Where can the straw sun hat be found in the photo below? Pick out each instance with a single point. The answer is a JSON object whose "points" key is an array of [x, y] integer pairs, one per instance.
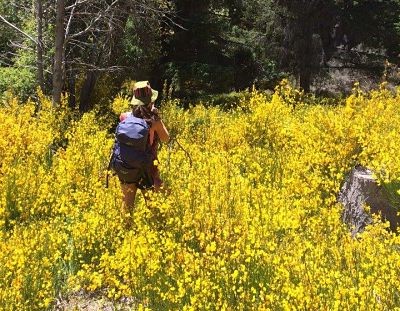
{"points": [[143, 94]]}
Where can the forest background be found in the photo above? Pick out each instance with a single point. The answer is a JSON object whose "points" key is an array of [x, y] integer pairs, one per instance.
{"points": [[196, 49]]}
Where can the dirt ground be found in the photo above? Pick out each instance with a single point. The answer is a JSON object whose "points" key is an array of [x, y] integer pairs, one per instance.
{"points": [[81, 301]]}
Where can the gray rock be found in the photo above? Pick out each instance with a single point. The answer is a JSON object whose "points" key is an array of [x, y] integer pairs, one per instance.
{"points": [[360, 190]]}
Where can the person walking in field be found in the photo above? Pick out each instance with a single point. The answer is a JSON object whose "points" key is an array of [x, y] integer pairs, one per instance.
{"points": [[135, 150]]}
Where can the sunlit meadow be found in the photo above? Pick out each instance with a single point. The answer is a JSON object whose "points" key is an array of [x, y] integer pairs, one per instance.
{"points": [[248, 219]]}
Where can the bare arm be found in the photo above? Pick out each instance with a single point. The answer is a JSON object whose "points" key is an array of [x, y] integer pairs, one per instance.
{"points": [[161, 130]]}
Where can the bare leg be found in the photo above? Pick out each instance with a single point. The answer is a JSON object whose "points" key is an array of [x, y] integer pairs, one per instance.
{"points": [[129, 192]]}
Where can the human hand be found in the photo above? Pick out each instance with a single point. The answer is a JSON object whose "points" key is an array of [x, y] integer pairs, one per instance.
{"points": [[154, 109]]}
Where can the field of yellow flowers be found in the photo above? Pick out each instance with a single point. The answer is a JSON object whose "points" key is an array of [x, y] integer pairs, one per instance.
{"points": [[248, 221]]}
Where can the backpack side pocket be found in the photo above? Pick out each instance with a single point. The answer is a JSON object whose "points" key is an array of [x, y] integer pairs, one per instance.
{"points": [[126, 174]]}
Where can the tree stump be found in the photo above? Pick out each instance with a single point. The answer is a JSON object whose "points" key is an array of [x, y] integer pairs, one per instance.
{"points": [[359, 190]]}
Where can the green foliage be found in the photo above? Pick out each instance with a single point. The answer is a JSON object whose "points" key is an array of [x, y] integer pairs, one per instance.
{"points": [[20, 78], [140, 46], [18, 52], [20, 81], [223, 47], [374, 23], [226, 101], [252, 43], [193, 79], [16, 16]]}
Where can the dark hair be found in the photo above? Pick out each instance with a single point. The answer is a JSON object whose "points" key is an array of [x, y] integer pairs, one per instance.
{"points": [[146, 113]]}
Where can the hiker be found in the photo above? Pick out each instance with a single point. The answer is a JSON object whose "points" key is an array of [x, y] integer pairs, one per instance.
{"points": [[136, 168]]}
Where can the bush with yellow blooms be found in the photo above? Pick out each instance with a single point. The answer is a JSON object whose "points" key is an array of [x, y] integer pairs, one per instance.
{"points": [[248, 218]]}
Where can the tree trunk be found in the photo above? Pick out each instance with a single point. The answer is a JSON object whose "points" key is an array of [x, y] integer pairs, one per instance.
{"points": [[39, 46], [86, 91], [71, 90], [305, 79], [58, 74], [304, 56]]}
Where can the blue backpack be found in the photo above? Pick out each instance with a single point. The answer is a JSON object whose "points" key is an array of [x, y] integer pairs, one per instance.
{"points": [[131, 158]]}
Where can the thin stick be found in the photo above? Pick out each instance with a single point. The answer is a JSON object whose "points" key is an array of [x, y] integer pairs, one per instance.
{"points": [[184, 150]]}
